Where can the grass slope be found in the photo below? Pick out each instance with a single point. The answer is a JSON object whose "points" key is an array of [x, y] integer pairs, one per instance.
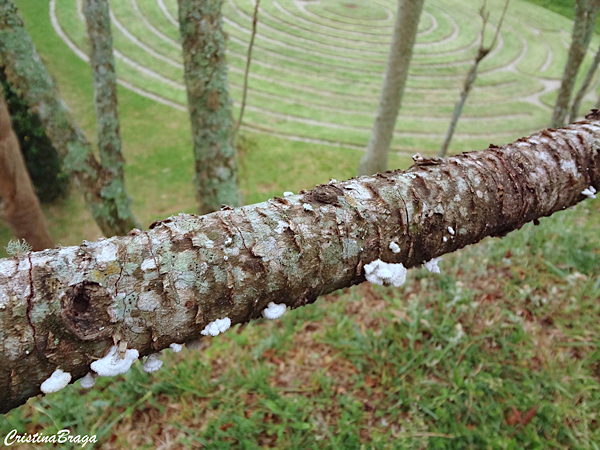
{"points": [[499, 351], [317, 68]]}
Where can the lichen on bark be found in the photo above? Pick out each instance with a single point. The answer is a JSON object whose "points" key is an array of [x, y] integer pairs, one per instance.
{"points": [[65, 308], [26, 71], [209, 104]]}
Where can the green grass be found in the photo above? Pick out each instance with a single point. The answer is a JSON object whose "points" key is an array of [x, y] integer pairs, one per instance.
{"points": [[440, 362], [367, 367], [320, 62], [563, 7]]}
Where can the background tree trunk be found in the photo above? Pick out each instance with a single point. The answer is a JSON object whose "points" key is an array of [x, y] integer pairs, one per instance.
{"points": [[64, 308], [107, 200], [403, 40], [19, 206], [205, 68], [584, 87], [583, 29], [105, 100]]}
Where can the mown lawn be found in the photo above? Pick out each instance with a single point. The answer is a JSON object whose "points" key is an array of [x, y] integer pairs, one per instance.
{"points": [[501, 350], [317, 69]]}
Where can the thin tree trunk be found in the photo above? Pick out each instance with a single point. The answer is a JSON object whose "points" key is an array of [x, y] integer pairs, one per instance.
{"points": [[469, 81], [205, 68], [482, 52], [104, 195], [246, 74], [584, 87], [403, 40], [20, 206], [64, 308], [583, 29], [105, 100]]}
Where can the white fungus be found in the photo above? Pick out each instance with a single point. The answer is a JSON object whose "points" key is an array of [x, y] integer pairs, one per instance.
{"points": [[451, 231], [444, 239], [589, 192], [307, 207], [394, 247], [152, 363], [113, 364], [88, 381], [287, 193], [108, 253], [216, 327], [176, 347], [432, 265], [379, 272], [56, 381], [274, 310]]}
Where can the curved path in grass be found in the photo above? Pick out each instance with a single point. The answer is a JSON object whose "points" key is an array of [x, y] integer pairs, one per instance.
{"points": [[318, 65]]}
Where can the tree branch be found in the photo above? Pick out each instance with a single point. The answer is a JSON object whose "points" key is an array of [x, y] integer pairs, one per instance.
{"points": [[189, 276], [246, 73], [482, 52], [584, 87]]}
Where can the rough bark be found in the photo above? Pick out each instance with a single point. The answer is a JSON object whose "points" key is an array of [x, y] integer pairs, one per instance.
{"points": [[19, 206], [209, 104], [102, 62], [482, 52], [583, 29], [403, 40], [64, 308], [584, 87], [104, 194]]}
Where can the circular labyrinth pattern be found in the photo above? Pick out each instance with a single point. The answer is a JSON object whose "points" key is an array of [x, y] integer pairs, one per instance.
{"points": [[317, 66]]}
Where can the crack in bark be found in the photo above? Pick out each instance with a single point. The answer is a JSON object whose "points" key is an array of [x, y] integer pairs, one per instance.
{"points": [[118, 279], [513, 176], [162, 276], [289, 227], [241, 236], [29, 304]]}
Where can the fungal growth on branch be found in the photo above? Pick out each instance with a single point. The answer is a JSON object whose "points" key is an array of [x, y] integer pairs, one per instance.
{"points": [[88, 381], [56, 381], [379, 272], [589, 192], [176, 347], [152, 363], [432, 265], [115, 362], [217, 327], [99, 306], [274, 311]]}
